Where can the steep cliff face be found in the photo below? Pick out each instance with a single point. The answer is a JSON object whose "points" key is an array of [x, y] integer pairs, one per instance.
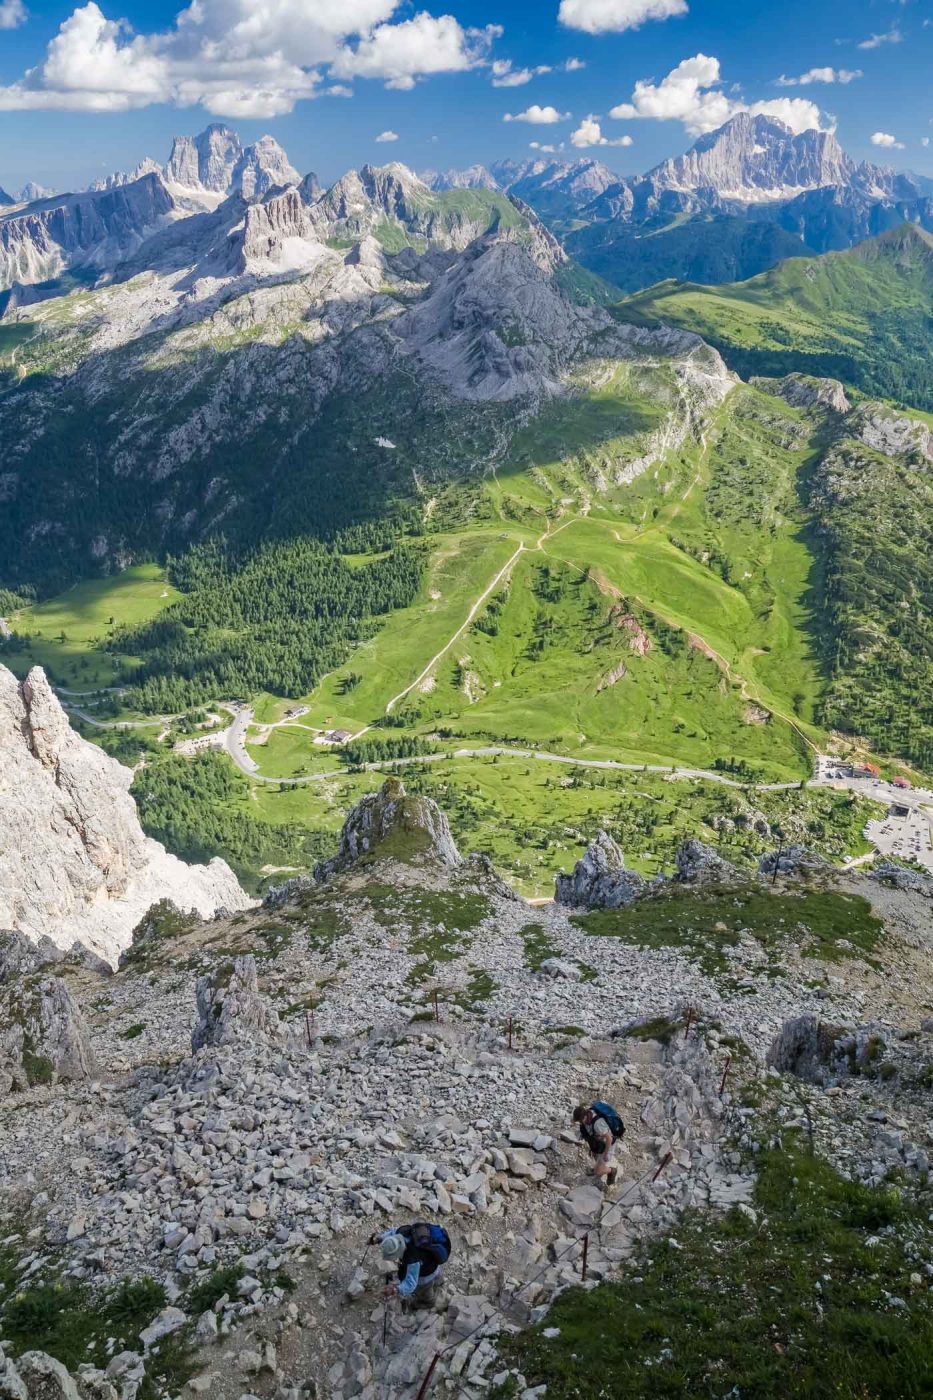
{"points": [[95, 229], [207, 160], [262, 167], [74, 861], [757, 158]]}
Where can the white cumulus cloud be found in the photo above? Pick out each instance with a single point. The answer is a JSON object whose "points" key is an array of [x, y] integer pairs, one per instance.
{"points": [[12, 14], [537, 116], [240, 57], [884, 138], [387, 136], [400, 53], [615, 16], [691, 93], [589, 133], [821, 75], [541, 146]]}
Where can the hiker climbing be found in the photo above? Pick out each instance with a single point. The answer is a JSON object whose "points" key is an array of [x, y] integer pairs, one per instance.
{"points": [[600, 1128], [419, 1253]]}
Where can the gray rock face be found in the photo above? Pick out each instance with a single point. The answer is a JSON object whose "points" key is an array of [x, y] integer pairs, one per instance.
{"points": [[234, 1010], [894, 434], [803, 391], [755, 157], [802, 1048], [393, 824], [901, 877], [821, 1053], [262, 167], [600, 879], [207, 160], [696, 863], [791, 860], [35, 1376], [272, 230], [20, 955], [95, 229], [76, 864], [43, 1038]]}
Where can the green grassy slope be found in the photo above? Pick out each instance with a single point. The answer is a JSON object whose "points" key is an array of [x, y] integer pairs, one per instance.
{"points": [[864, 316]]}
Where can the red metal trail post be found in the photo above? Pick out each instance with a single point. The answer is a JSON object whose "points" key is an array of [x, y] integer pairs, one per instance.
{"points": [[725, 1075], [689, 1021], [586, 1256]]}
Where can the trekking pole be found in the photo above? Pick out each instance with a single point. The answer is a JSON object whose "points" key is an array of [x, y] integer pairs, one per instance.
{"points": [[385, 1326], [437, 1013], [586, 1255], [423, 1390], [665, 1161], [510, 1032]]}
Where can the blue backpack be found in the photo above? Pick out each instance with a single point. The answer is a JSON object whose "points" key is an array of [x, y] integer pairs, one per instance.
{"points": [[433, 1238], [606, 1110]]}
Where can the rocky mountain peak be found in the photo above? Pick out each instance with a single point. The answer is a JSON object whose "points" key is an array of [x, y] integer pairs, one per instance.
{"points": [[474, 177], [206, 161], [262, 167], [76, 864], [393, 824], [754, 158]]}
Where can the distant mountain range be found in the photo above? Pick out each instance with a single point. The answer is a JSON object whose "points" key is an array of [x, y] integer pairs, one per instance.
{"points": [[741, 199]]}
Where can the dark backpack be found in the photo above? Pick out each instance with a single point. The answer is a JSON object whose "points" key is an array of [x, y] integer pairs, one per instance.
{"points": [[434, 1239], [606, 1110]]}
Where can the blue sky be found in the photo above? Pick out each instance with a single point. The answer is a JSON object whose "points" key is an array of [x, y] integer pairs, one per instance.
{"points": [[112, 81]]}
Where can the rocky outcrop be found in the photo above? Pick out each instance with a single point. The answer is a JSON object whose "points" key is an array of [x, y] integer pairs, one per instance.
{"points": [[792, 860], [19, 955], [820, 1053], [43, 1037], [901, 877], [75, 863], [277, 231], [600, 879], [893, 434], [394, 825], [804, 391], [697, 863], [231, 1008]]}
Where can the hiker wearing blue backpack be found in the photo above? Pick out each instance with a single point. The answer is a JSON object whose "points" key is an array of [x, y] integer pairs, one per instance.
{"points": [[601, 1128], [419, 1253]]}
